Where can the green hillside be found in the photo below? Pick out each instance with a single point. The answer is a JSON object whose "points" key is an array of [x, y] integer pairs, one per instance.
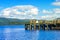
{"points": [[9, 21]]}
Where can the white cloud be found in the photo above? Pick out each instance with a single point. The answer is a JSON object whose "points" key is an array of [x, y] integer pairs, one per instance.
{"points": [[47, 11], [56, 10], [56, 3], [54, 13], [20, 12], [51, 12], [29, 12], [46, 17]]}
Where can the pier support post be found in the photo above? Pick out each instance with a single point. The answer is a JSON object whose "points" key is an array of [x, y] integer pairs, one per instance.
{"points": [[26, 28], [34, 24], [39, 27], [30, 28], [47, 27], [31, 24]]}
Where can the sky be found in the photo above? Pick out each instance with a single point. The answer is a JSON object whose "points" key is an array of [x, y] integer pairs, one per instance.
{"points": [[30, 9]]}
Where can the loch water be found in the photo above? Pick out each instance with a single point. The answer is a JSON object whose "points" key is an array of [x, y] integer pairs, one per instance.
{"points": [[17, 32]]}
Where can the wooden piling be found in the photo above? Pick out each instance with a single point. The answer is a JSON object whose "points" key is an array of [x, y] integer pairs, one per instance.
{"points": [[30, 24], [34, 21]]}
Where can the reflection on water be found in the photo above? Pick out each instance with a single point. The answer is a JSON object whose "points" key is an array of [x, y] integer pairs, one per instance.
{"points": [[21, 34]]}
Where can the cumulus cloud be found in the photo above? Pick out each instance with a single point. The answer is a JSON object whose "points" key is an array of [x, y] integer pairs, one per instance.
{"points": [[54, 13], [47, 11], [47, 17], [56, 10], [20, 12], [56, 3], [29, 12]]}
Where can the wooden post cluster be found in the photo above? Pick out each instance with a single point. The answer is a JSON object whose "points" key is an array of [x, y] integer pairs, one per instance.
{"points": [[34, 23]]}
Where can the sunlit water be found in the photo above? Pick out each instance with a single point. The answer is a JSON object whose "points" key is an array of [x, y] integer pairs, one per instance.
{"points": [[18, 33]]}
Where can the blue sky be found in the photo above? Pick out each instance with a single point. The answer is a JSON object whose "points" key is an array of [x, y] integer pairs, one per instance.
{"points": [[41, 4], [46, 8]]}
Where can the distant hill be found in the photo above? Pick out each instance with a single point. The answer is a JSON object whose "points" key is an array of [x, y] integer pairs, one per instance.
{"points": [[11, 21]]}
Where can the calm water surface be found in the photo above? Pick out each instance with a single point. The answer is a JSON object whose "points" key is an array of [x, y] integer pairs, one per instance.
{"points": [[17, 32]]}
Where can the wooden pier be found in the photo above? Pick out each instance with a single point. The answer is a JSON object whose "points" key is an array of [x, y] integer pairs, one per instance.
{"points": [[43, 25]]}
